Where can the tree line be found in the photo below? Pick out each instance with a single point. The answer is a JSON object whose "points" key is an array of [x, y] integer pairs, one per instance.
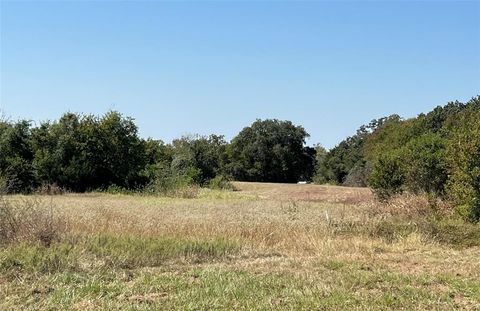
{"points": [[85, 152], [437, 153]]}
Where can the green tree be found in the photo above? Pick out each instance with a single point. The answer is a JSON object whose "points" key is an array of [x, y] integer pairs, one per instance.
{"points": [[426, 169], [199, 156], [16, 156], [270, 151], [87, 152], [463, 156], [121, 154], [346, 163], [320, 176], [59, 158]]}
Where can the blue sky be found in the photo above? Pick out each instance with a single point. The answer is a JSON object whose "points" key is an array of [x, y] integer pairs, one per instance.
{"points": [[214, 67]]}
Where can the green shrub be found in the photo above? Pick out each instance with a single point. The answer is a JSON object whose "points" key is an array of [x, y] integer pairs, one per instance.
{"points": [[464, 163], [221, 182], [16, 156], [174, 183], [426, 169], [388, 176]]}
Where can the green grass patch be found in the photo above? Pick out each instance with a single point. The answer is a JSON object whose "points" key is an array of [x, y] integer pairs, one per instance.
{"points": [[350, 287], [392, 230], [454, 232], [37, 258], [110, 251], [131, 252]]}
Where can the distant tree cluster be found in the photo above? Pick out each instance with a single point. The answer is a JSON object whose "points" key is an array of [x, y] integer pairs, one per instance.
{"points": [[85, 152], [271, 151], [75, 152], [437, 153]]}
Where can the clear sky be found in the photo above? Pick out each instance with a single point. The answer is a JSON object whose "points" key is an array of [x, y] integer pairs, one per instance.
{"points": [[214, 67]]}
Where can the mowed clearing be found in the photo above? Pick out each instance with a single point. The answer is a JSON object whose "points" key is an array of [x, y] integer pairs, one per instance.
{"points": [[262, 247], [306, 192]]}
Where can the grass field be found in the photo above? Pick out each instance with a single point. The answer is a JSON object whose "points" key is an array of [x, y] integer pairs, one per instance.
{"points": [[264, 247]]}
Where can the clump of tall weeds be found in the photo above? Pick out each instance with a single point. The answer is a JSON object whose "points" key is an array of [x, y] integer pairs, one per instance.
{"points": [[29, 220], [413, 206], [427, 215]]}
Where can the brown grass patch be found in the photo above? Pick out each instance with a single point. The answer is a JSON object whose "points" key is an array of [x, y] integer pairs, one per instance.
{"points": [[307, 192], [31, 220], [363, 250], [412, 205], [297, 229]]}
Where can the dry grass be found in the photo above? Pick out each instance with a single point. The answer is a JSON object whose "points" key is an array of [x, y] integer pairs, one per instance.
{"points": [[314, 241], [413, 206], [308, 192], [30, 220]]}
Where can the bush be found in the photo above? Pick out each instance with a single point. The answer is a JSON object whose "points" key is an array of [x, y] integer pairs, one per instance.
{"points": [[437, 153], [388, 176], [426, 170], [358, 175], [221, 182], [463, 156], [199, 157], [173, 183], [87, 152]]}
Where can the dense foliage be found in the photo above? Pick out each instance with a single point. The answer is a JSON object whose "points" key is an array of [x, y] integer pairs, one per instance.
{"points": [[345, 163], [76, 152], [85, 152], [16, 155], [272, 151], [435, 153]]}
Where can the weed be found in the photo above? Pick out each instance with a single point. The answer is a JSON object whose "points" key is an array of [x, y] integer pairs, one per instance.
{"points": [[29, 220]]}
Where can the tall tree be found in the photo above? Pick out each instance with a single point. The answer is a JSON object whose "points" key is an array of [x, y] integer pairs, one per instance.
{"points": [[16, 156], [270, 151]]}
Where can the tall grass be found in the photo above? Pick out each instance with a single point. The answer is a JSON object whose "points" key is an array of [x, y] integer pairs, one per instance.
{"points": [[30, 220], [232, 251], [103, 251]]}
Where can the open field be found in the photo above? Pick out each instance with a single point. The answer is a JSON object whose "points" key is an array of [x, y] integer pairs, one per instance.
{"points": [[267, 246]]}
